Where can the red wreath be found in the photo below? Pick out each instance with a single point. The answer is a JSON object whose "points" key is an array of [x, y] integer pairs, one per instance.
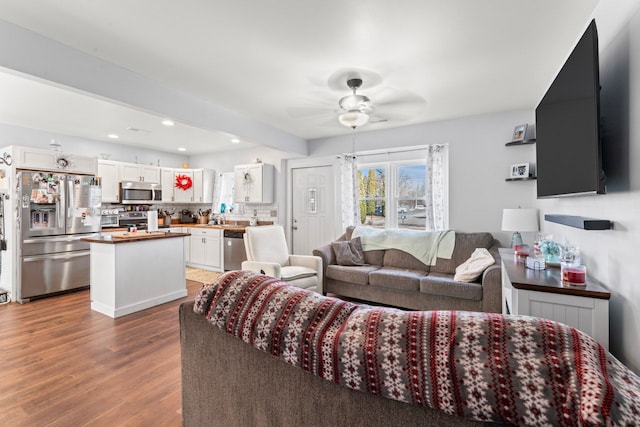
{"points": [[183, 182]]}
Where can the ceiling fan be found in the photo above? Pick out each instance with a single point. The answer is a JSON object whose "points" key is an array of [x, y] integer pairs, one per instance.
{"points": [[383, 103], [355, 108]]}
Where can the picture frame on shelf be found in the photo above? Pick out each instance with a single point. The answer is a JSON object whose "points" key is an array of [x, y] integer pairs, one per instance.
{"points": [[519, 170], [519, 133]]}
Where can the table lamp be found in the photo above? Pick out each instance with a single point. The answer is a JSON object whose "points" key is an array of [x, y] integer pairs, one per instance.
{"points": [[518, 220]]}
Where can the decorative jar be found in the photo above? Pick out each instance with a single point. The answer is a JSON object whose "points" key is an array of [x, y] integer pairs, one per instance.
{"points": [[575, 275]]}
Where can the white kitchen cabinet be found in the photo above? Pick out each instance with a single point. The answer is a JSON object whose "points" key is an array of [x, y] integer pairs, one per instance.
{"points": [[180, 195], [201, 190], [108, 172], [136, 172], [254, 183], [48, 160], [187, 241], [203, 180], [167, 183], [205, 248]]}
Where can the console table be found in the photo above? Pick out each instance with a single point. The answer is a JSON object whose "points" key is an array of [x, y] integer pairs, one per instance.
{"points": [[540, 293]]}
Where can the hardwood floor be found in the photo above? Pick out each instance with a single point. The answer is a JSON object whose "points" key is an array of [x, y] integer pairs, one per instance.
{"points": [[62, 364]]}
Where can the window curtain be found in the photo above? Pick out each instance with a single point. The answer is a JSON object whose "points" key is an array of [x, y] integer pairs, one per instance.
{"points": [[349, 190], [436, 200]]}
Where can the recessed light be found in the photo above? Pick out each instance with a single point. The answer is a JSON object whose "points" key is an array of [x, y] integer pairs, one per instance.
{"points": [[182, 149], [168, 122], [113, 136], [235, 141]]}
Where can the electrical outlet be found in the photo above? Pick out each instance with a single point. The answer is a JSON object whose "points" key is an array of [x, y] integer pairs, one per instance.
{"points": [[274, 213]]}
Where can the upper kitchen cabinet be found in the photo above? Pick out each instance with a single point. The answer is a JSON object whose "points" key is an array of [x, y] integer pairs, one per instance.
{"points": [[108, 171], [203, 180], [167, 181], [187, 185], [48, 160], [254, 183], [183, 186], [136, 172]]}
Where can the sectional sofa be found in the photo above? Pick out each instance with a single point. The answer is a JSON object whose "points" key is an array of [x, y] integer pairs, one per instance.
{"points": [[258, 351]]}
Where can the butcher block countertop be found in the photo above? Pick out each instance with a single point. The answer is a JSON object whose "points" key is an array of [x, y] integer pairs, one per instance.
{"points": [[239, 227], [134, 237]]}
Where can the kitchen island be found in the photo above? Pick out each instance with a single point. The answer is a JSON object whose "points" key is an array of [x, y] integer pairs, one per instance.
{"points": [[134, 271]]}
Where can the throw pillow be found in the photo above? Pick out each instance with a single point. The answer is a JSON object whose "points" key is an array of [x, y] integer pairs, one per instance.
{"points": [[348, 252], [469, 270]]}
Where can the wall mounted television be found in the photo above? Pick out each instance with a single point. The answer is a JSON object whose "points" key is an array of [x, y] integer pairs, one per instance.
{"points": [[568, 144]]}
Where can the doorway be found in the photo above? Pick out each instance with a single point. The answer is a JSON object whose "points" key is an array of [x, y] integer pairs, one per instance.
{"points": [[313, 208]]}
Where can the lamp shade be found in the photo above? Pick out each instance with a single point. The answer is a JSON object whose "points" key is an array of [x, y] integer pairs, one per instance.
{"points": [[353, 119], [520, 220]]}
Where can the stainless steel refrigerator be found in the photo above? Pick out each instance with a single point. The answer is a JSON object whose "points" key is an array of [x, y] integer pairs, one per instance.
{"points": [[55, 211]]}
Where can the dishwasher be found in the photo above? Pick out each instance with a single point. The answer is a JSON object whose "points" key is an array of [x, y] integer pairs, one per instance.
{"points": [[234, 252]]}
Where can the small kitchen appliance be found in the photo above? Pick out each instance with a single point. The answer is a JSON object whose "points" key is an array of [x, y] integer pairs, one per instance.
{"points": [[109, 218], [186, 217]]}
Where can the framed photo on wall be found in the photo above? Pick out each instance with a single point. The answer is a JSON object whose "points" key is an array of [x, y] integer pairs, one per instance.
{"points": [[519, 170], [519, 132]]}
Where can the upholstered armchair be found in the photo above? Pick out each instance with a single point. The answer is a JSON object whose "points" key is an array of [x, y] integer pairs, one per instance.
{"points": [[267, 253]]}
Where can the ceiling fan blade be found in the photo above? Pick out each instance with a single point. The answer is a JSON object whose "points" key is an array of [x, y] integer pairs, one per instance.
{"points": [[302, 112], [384, 117], [398, 100]]}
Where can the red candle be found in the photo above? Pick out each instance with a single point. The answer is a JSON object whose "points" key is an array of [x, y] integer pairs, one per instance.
{"points": [[574, 275]]}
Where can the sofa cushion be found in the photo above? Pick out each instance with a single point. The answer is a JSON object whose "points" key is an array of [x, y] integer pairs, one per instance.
{"points": [[374, 257], [348, 252], [397, 278], [466, 243], [401, 259], [444, 285], [358, 274]]}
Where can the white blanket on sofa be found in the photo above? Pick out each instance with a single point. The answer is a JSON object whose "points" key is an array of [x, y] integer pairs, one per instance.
{"points": [[427, 246]]}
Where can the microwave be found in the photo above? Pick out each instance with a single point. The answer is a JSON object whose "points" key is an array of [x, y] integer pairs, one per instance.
{"points": [[140, 193]]}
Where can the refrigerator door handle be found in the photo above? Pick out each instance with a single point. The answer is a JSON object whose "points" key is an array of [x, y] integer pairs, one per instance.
{"points": [[70, 255], [69, 197], [60, 239]]}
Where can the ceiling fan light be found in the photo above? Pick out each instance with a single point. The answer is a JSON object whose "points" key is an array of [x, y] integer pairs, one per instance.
{"points": [[354, 102], [353, 119]]}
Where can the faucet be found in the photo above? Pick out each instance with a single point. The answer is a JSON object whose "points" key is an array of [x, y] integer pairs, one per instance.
{"points": [[219, 219]]}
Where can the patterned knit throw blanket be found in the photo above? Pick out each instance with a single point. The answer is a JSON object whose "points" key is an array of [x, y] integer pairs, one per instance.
{"points": [[486, 367]]}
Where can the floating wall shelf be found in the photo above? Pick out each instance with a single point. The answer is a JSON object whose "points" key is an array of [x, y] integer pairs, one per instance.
{"points": [[525, 142], [526, 178], [580, 222]]}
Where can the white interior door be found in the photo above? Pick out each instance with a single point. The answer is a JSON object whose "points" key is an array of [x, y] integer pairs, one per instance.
{"points": [[313, 208]]}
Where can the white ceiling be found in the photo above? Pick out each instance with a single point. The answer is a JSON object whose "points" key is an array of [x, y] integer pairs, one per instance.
{"points": [[284, 63]]}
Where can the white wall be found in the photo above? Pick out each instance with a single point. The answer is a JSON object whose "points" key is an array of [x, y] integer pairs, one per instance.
{"points": [[612, 257], [478, 163]]}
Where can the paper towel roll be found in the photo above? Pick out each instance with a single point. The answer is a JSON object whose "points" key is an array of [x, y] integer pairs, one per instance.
{"points": [[152, 221]]}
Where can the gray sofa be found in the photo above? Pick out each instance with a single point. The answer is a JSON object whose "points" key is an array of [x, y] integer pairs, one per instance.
{"points": [[226, 382], [394, 277]]}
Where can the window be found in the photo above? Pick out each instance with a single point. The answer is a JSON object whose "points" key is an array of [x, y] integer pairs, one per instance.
{"points": [[372, 183], [403, 205]]}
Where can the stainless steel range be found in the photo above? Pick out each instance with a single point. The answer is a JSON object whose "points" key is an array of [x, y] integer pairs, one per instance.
{"points": [[56, 210], [136, 219]]}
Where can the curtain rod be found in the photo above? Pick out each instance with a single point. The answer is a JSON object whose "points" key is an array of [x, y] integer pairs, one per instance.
{"points": [[377, 153]]}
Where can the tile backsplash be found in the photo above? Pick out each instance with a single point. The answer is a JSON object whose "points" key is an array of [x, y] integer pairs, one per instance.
{"points": [[240, 212]]}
